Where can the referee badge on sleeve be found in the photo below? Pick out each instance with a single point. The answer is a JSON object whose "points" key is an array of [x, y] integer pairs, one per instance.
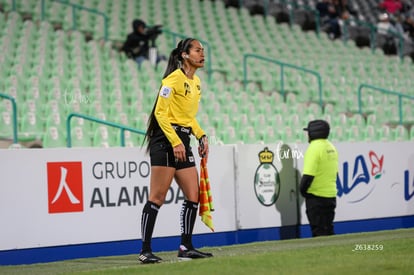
{"points": [[165, 91]]}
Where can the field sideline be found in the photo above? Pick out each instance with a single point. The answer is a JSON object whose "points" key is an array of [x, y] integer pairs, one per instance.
{"points": [[381, 252]]}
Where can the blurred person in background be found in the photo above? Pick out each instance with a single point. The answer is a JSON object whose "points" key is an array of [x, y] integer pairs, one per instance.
{"points": [[329, 18], [391, 6], [332, 13], [141, 41]]}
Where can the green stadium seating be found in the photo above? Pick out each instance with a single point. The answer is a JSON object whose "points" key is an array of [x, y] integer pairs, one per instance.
{"points": [[62, 72]]}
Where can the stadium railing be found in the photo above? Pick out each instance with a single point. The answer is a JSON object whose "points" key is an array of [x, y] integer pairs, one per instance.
{"points": [[122, 128], [385, 91], [75, 8], [282, 65]]}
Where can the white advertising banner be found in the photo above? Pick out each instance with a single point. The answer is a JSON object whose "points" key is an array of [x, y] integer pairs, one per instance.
{"points": [[65, 196], [266, 185], [371, 182], [375, 180], [54, 197]]}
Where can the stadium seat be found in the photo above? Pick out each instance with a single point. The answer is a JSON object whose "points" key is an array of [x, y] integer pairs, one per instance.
{"points": [[353, 133], [79, 138], [399, 133], [54, 138], [31, 126], [270, 135], [259, 122], [372, 120], [295, 121], [369, 133], [411, 133], [122, 118], [140, 121], [131, 139], [340, 119], [384, 133], [240, 121], [337, 133], [277, 121], [357, 119], [104, 137], [230, 136], [55, 119], [6, 124]]}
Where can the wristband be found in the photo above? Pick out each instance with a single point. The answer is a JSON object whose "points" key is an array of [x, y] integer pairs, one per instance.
{"points": [[201, 142]]}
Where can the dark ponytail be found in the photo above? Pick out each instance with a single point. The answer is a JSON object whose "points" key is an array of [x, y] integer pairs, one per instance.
{"points": [[174, 62]]}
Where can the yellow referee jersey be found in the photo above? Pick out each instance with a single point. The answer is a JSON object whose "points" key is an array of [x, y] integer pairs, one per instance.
{"points": [[177, 103]]}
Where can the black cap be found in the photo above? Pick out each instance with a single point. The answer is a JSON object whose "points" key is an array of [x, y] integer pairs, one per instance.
{"points": [[138, 23], [317, 129]]}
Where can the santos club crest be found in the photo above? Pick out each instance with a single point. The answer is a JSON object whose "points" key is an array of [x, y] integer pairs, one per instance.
{"points": [[266, 179]]}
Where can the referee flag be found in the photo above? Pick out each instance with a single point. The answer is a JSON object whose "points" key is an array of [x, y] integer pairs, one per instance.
{"points": [[206, 199]]}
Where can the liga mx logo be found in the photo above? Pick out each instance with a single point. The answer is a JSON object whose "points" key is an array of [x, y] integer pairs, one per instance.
{"points": [[266, 179], [65, 187]]}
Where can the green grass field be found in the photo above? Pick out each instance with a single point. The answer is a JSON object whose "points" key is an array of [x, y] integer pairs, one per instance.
{"points": [[382, 252]]}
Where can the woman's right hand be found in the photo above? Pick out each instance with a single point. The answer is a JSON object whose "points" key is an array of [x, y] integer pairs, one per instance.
{"points": [[179, 153]]}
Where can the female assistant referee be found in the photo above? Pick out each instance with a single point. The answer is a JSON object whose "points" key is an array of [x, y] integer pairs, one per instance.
{"points": [[170, 126]]}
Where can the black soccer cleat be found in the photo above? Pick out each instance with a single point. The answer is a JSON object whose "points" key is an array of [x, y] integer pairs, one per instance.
{"points": [[148, 258], [189, 254]]}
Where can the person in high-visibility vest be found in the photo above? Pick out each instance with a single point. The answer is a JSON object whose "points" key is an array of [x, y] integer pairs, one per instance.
{"points": [[318, 183]]}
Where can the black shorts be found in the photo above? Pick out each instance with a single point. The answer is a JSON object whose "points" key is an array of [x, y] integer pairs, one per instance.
{"points": [[161, 151]]}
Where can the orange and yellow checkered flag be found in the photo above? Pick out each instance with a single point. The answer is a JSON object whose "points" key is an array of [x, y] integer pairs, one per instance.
{"points": [[206, 199]]}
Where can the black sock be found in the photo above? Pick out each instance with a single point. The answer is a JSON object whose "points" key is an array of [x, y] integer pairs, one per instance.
{"points": [[187, 219], [149, 215]]}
